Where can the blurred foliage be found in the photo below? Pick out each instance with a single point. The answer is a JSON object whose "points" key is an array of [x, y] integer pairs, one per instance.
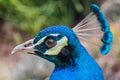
{"points": [[33, 15]]}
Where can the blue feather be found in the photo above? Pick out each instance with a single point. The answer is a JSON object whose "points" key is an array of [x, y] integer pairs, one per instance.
{"points": [[101, 18], [107, 37], [105, 27], [105, 49]]}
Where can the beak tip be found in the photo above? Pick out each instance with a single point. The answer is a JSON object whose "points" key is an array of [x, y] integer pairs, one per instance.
{"points": [[23, 48], [13, 51]]}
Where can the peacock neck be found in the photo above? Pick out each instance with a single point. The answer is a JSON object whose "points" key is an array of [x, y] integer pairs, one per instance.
{"points": [[84, 68], [80, 57]]}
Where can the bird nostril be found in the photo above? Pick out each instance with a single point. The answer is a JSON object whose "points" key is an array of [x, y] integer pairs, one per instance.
{"points": [[28, 44]]}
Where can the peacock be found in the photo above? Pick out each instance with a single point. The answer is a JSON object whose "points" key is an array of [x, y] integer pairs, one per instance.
{"points": [[63, 46]]}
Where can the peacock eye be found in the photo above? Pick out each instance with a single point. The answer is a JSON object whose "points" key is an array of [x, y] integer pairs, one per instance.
{"points": [[50, 42]]}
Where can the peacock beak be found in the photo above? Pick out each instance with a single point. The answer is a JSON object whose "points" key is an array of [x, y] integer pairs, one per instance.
{"points": [[27, 47]]}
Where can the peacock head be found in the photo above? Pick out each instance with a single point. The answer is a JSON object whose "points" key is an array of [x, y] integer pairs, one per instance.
{"points": [[55, 43], [58, 43]]}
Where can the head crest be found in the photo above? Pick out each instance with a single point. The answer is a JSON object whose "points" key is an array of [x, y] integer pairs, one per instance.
{"points": [[95, 25]]}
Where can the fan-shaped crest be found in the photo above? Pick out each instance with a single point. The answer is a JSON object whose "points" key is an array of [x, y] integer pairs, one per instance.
{"points": [[95, 29]]}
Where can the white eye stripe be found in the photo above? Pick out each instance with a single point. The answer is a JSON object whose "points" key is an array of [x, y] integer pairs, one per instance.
{"points": [[55, 34]]}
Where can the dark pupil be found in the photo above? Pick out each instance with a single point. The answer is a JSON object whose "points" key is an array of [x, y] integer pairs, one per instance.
{"points": [[50, 42]]}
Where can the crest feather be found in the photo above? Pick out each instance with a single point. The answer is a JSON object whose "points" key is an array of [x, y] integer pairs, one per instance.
{"points": [[95, 29]]}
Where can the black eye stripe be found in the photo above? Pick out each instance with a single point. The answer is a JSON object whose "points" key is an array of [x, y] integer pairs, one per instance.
{"points": [[41, 47]]}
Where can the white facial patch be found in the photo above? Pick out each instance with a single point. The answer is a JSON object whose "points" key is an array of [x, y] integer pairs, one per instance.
{"points": [[56, 49]]}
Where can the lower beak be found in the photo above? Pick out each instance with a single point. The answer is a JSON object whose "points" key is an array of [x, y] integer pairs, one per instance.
{"points": [[27, 47]]}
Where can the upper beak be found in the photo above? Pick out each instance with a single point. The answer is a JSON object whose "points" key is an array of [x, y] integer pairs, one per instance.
{"points": [[25, 47]]}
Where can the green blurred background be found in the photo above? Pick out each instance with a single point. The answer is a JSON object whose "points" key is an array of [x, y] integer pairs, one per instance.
{"points": [[33, 15], [20, 20]]}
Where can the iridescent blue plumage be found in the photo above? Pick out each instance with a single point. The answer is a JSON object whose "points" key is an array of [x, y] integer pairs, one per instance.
{"points": [[107, 37], [81, 66], [105, 27], [105, 48]]}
